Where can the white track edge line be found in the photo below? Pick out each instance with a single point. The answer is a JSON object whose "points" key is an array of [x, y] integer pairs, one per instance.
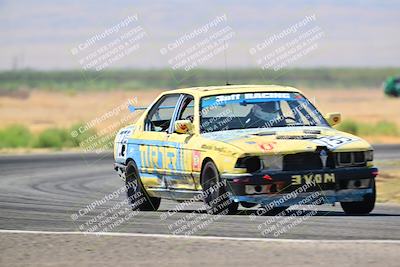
{"points": [[202, 237]]}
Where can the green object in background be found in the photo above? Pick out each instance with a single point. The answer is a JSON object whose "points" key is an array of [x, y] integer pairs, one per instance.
{"points": [[392, 86]]}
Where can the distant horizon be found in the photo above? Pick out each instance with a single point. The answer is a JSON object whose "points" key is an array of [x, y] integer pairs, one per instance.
{"points": [[206, 69], [67, 35]]}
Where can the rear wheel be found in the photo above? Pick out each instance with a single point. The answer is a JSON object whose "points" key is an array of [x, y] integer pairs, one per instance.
{"points": [[275, 211], [215, 194], [361, 207], [137, 194]]}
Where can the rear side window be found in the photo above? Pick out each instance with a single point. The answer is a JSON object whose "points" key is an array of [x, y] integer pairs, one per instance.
{"points": [[160, 116]]}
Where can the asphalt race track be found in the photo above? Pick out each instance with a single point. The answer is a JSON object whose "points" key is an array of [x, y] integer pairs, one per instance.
{"points": [[48, 193]]}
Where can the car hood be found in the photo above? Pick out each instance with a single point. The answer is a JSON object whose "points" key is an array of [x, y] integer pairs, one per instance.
{"points": [[288, 141]]}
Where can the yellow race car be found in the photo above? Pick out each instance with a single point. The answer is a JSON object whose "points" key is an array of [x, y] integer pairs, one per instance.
{"points": [[245, 144]]}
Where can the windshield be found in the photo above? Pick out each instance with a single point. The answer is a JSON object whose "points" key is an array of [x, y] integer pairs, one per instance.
{"points": [[257, 110]]}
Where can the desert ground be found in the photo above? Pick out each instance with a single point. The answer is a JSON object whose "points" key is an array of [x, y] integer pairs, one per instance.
{"points": [[39, 110]]}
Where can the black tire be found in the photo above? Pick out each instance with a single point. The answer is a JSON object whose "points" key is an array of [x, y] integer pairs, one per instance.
{"points": [[247, 205], [216, 196], [361, 207], [136, 193], [275, 211]]}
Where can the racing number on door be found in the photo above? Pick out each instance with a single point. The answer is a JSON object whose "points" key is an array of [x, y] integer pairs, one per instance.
{"points": [[160, 158]]}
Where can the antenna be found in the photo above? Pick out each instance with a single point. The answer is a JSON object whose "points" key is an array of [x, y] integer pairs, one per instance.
{"points": [[226, 69], [14, 63]]}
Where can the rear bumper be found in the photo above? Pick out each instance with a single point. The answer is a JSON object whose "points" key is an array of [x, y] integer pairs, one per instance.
{"points": [[283, 188]]}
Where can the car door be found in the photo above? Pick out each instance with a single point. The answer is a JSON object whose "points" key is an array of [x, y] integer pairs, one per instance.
{"points": [[153, 139], [177, 147]]}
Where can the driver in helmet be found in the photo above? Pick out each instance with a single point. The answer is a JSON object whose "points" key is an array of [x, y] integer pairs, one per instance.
{"points": [[261, 113]]}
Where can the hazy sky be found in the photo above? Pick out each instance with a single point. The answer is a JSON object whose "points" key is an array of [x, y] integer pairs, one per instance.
{"points": [[42, 34]]}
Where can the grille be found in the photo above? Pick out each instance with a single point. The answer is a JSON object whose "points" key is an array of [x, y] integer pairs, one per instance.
{"points": [[306, 161]]}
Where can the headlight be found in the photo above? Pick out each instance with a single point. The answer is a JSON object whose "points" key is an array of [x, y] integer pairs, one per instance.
{"points": [[251, 164], [273, 162], [355, 158], [369, 155]]}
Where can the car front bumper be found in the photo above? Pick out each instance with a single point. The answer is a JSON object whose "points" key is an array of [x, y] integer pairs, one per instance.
{"points": [[277, 188]]}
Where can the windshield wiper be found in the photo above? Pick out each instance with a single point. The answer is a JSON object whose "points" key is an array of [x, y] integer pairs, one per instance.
{"points": [[295, 125]]}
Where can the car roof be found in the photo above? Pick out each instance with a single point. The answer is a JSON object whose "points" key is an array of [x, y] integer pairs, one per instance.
{"points": [[231, 89]]}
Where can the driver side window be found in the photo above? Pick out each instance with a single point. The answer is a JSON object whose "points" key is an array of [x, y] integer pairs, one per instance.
{"points": [[160, 116], [187, 110]]}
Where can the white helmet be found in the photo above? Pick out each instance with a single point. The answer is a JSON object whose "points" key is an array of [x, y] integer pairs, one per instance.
{"points": [[266, 111]]}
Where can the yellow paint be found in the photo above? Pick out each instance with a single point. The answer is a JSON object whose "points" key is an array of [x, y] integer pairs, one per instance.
{"points": [[226, 154]]}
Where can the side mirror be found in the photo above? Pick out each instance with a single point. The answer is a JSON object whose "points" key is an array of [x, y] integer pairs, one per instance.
{"points": [[131, 108], [183, 127], [333, 118]]}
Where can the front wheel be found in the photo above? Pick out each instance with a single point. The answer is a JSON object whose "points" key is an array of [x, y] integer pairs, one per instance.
{"points": [[274, 211], [247, 205], [361, 207], [215, 194], [137, 194]]}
